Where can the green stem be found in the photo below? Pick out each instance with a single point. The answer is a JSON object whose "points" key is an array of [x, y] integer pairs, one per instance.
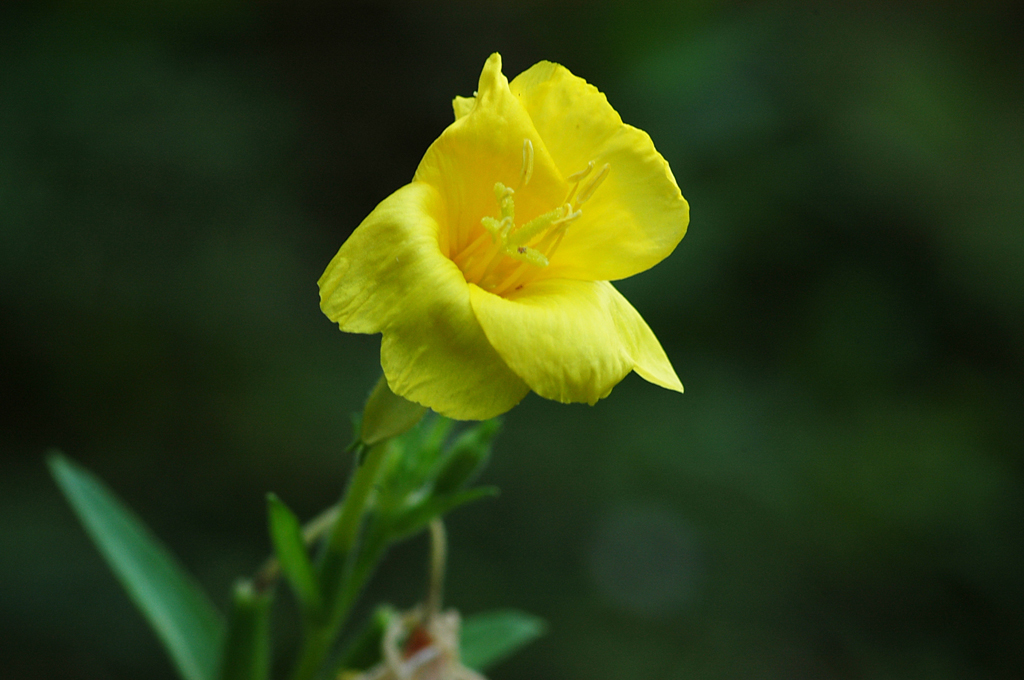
{"points": [[343, 535], [438, 552], [335, 566], [315, 647]]}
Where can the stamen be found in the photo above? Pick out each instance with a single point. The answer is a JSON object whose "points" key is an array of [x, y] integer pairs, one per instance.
{"points": [[530, 255], [592, 185], [534, 227], [548, 244], [488, 268], [487, 262], [576, 177], [462, 259], [570, 216], [504, 196], [527, 172], [492, 226], [512, 280]]}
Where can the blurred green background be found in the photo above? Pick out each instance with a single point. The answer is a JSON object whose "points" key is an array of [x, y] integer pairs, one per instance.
{"points": [[837, 495]]}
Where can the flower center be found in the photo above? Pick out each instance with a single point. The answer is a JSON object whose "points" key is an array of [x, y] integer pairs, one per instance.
{"points": [[506, 255]]}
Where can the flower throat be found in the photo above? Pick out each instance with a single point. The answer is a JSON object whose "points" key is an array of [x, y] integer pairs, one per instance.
{"points": [[505, 256]]}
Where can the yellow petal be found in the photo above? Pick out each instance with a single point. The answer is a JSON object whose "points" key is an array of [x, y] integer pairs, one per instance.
{"points": [[483, 147], [391, 277], [364, 286], [462, 106], [638, 215], [572, 340]]}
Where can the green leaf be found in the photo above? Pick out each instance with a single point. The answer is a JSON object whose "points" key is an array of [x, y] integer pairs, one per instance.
{"points": [[246, 653], [187, 624], [489, 638], [286, 535]]}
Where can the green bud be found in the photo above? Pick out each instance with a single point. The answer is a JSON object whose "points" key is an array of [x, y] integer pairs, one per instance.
{"points": [[387, 415]]}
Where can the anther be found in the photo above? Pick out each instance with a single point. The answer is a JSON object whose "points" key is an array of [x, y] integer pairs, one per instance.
{"points": [[529, 255], [504, 196], [527, 171], [592, 185], [569, 215], [576, 177]]}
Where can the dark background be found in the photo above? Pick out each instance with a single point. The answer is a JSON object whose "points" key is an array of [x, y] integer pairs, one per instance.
{"points": [[837, 495]]}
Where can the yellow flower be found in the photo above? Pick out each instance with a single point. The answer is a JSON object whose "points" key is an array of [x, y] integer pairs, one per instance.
{"points": [[488, 275]]}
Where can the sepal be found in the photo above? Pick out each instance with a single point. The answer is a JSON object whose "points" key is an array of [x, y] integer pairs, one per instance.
{"points": [[387, 415]]}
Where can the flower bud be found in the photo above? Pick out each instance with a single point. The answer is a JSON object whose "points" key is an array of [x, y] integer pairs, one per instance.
{"points": [[387, 415]]}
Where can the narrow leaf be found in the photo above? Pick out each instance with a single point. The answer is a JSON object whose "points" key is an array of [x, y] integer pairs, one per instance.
{"points": [[246, 653], [286, 534], [187, 624], [489, 638]]}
